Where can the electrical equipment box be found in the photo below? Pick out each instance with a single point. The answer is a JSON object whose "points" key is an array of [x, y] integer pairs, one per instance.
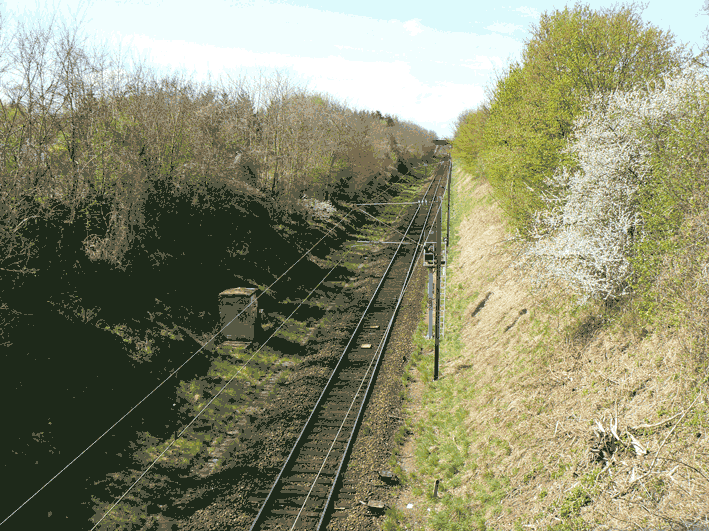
{"points": [[239, 326]]}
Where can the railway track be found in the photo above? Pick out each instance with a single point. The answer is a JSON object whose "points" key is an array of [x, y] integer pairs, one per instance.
{"points": [[305, 490]]}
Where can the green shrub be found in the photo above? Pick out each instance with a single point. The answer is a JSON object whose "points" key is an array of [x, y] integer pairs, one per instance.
{"points": [[571, 55], [670, 277]]}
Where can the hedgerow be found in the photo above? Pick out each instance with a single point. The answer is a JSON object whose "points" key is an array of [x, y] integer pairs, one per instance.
{"points": [[597, 222], [571, 55]]}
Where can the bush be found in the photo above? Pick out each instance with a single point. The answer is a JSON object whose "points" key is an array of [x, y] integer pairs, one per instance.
{"points": [[468, 138], [614, 206], [572, 55], [670, 262]]}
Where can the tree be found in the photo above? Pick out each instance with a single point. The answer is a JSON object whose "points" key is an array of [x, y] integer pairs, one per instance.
{"points": [[602, 210], [468, 137], [571, 55]]}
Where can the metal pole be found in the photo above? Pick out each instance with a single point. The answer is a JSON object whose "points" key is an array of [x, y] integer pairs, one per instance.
{"points": [[175, 427], [448, 220], [430, 303], [438, 287]]}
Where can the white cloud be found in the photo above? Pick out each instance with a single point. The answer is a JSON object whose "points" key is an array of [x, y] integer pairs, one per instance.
{"points": [[503, 27], [346, 71], [192, 55], [368, 63], [528, 11], [414, 26]]}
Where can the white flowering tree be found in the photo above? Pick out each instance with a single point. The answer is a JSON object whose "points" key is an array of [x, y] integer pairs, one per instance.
{"points": [[586, 236]]}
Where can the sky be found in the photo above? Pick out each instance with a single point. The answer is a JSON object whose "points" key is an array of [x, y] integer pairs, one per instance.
{"points": [[424, 62]]}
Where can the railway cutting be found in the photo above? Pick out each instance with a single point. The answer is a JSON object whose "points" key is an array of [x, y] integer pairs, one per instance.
{"points": [[304, 490]]}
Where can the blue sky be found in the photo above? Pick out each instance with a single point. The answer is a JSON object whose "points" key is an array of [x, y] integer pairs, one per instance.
{"points": [[423, 61]]}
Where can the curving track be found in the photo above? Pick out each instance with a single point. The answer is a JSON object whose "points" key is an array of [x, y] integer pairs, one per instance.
{"points": [[302, 495]]}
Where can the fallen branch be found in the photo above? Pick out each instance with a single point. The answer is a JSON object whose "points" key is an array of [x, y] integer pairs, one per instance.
{"points": [[657, 454], [684, 464], [649, 426]]}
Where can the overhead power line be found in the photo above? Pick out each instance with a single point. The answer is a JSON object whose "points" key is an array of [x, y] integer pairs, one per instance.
{"points": [[352, 208], [175, 371], [218, 393]]}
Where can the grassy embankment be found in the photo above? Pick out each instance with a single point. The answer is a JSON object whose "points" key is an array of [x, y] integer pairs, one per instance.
{"points": [[526, 376], [574, 388]]}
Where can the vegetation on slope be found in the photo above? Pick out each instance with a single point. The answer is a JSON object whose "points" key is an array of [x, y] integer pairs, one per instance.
{"points": [[578, 401], [596, 155], [128, 201], [570, 55], [89, 139]]}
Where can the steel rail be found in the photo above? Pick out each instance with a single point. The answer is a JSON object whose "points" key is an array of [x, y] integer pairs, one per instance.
{"points": [[358, 419], [266, 504], [290, 460]]}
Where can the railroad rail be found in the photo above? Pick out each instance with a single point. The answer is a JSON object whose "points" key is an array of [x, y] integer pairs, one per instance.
{"points": [[303, 493]]}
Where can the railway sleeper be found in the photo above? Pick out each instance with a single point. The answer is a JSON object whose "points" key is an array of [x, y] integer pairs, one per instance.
{"points": [[314, 462], [336, 409], [316, 457], [288, 480], [299, 499], [357, 365], [341, 384], [351, 378], [309, 469], [369, 336], [363, 358], [328, 436], [346, 392], [347, 427], [337, 415], [307, 518], [304, 487], [321, 446], [335, 421]]}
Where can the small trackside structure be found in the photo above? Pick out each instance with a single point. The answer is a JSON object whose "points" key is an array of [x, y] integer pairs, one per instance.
{"points": [[231, 303]]}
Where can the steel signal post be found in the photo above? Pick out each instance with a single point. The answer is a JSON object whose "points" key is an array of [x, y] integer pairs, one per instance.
{"points": [[439, 219]]}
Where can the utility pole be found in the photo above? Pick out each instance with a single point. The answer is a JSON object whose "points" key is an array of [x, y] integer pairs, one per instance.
{"points": [[439, 219], [448, 214], [430, 304]]}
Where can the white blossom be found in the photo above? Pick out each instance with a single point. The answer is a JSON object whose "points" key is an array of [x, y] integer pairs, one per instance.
{"points": [[587, 232]]}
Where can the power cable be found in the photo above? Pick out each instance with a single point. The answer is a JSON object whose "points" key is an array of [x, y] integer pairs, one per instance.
{"points": [[177, 436], [322, 394], [389, 185], [218, 393], [392, 203], [375, 357], [176, 370], [387, 224], [191, 357]]}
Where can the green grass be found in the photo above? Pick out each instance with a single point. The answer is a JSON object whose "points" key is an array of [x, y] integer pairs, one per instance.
{"points": [[394, 521], [443, 443]]}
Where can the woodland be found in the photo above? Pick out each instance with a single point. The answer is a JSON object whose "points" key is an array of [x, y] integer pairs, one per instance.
{"points": [[129, 199]]}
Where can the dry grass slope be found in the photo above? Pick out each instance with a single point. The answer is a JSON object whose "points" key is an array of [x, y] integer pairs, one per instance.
{"points": [[547, 416]]}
